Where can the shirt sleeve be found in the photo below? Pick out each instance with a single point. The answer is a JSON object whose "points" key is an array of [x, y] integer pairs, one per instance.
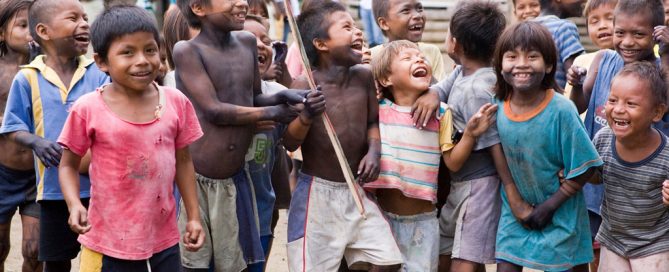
{"points": [[18, 111], [76, 135], [568, 42], [446, 131], [444, 86], [189, 127], [578, 152]]}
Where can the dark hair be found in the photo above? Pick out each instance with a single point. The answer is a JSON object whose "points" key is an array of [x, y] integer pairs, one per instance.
{"points": [[651, 74], [259, 19], [526, 36], [39, 13], [651, 9], [8, 10], [593, 4], [476, 26], [313, 23], [175, 29], [191, 18], [262, 7], [117, 21], [380, 9]]}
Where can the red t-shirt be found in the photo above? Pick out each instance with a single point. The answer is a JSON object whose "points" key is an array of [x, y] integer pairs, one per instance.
{"points": [[132, 210]]}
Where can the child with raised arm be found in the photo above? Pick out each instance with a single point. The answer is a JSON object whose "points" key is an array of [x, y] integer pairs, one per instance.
{"points": [[637, 27], [542, 135], [138, 134], [18, 189], [38, 104], [634, 234], [405, 20], [324, 224], [554, 14], [406, 189], [526, 9], [218, 71]]}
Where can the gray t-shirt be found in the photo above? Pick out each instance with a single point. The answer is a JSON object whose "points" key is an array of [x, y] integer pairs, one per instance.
{"points": [[465, 95]]}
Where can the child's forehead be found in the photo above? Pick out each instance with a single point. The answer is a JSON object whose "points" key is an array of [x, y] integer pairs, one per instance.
{"points": [[395, 4], [339, 18], [603, 8], [526, 2], [636, 20], [138, 38]]}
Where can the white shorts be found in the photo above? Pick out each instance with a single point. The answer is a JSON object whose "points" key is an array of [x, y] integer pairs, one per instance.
{"points": [[610, 261], [324, 225], [418, 239]]}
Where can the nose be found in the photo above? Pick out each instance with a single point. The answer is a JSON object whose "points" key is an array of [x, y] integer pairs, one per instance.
{"points": [[627, 41]]}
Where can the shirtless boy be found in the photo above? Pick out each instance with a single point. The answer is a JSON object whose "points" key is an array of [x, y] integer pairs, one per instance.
{"points": [[218, 71], [324, 224]]}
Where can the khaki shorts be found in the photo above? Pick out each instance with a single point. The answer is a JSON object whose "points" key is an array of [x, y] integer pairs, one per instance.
{"points": [[469, 219], [610, 261], [324, 225], [218, 214]]}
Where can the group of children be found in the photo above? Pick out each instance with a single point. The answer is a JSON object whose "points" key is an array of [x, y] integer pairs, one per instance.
{"points": [[111, 145]]}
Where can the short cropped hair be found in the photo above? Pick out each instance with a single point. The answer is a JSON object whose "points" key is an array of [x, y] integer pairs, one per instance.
{"points": [[8, 10], [380, 9], [526, 36], [382, 62], [118, 21], [593, 4], [313, 23], [652, 75], [184, 6], [476, 25], [651, 9], [175, 29], [39, 12]]}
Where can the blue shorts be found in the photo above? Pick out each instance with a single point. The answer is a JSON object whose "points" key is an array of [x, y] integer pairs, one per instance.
{"points": [[166, 260], [17, 190], [247, 216]]}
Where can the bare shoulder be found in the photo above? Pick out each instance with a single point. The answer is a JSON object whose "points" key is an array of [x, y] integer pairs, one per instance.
{"points": [[361, 71], [245, 37], [184, 49]]}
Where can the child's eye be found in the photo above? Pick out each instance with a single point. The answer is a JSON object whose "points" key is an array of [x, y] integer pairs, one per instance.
{"points": [[594, 21]]}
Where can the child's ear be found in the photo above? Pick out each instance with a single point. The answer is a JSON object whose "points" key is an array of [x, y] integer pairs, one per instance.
{"points": [[319, 44], [42, 31], [197, 9], [383, 24], [384, 82], [101, 63], [549, 69], [659, 112]]}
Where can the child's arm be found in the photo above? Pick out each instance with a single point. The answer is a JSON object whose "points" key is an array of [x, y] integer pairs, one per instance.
{"points": [[519, 207], [665, 192], [288, 96], [456, 157], [46, 151], [368, 169], [313, 106], [193, 239], [203, 94], [543, 213], [68, 176], [582, 89]]}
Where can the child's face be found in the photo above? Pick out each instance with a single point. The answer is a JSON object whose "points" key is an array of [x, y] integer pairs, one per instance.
{"points": [[630, 109], [68, 29], [405, 20], [524, 70], [162, 71], [633, 37], [133, 61], [263, 42], [409, 71], [600, 26], [16, 34], [228, 15], [527, 9], [345, 42]]}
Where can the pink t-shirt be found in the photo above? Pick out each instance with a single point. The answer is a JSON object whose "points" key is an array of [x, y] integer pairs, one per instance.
{"points": [[132, 210]]}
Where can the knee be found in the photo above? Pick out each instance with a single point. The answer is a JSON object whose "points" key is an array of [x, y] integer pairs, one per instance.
{"points": [[29, 250]]}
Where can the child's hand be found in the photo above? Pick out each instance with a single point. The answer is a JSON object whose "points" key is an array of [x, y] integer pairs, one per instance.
{"points": [[481, 121], [194, 237], [293, 97], [661, 36], [314, 104], [576, 75], [274, 71], [424, 108], [78, 220], [283, 113], [368, 170], [665, 192], [47, 151], [540, 217]]}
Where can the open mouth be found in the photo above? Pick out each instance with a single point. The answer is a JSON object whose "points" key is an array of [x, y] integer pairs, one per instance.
{"points": [[416, 28], [262, 59], [629, 52], [419, 72], [240, 16], [604, 35], [82, 38], [522, 76], [621, 123], [141, 74], [357, 46]]}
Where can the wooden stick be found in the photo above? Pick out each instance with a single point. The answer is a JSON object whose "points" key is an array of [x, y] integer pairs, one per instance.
{"points": [[348, 174]]}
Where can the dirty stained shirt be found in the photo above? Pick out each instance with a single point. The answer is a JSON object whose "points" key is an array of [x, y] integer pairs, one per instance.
{"points": [[133, 165]]}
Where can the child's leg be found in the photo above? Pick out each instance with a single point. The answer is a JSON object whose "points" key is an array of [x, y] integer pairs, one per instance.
{"points": [[57, 243], [610, 261], [29, 245], [503, 266], [654, 263]]}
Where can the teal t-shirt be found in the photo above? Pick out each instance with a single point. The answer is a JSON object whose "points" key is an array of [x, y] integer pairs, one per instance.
{"points": [[537, 145]]}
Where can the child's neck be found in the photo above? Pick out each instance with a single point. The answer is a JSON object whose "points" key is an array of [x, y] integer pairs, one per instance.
{"points": [[215, 35], [14, 58], [470, 66], [405, 98], [63, 66], [130, 94], [331, 72], [635, 148], [522, 102]]}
